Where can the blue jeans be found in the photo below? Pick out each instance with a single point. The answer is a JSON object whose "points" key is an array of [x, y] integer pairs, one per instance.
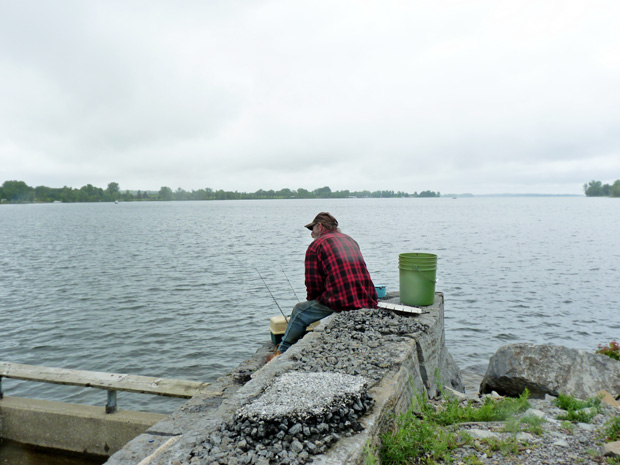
{"points": [[304, 314]]}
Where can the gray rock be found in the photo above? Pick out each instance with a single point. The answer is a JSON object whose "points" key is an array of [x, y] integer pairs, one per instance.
{"points": [[450, 373], [532, 412], [586, 426], [297, 447], [611, 449], [525, 437], [454, 394], [296, 428], [482, 434], [550, 369], [323, 427]]}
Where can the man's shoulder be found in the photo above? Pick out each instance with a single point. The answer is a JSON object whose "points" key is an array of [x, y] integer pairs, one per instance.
{"points": [[335, 234], [331, 238]]}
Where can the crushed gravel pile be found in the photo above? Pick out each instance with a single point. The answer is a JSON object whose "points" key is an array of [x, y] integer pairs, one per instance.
{"points": [[305, 411], [299, 415], [359, 343], [302, 395]]}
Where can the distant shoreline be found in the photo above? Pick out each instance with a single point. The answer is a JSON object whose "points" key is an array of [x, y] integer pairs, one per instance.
{"points": [[450, 196], [514, 195]]}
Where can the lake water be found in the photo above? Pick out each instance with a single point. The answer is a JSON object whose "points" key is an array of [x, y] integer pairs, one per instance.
{"points": [[171, 289]]}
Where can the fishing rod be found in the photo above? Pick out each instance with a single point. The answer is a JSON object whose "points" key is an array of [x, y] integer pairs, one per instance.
{"points": [[274, 299], [289, 283]]}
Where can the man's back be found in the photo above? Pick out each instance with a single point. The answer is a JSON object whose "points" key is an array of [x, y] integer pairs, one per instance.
{"points": [[336, 273]]}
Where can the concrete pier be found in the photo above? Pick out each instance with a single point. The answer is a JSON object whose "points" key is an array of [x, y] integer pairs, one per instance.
{"points": [[414, 362], [82, 429]]}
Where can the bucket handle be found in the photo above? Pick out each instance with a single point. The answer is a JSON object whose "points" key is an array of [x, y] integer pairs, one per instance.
{"points": [[419, 271]]}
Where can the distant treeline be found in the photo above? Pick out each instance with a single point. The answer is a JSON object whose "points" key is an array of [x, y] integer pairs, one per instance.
{"points": [[598, 189], [20, 192]]}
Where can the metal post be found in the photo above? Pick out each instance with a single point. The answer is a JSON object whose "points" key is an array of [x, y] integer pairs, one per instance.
{"points": [[110, 407], [1, 393]]}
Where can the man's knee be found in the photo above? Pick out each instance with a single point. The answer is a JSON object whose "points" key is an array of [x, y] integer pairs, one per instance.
{"points": [[298, 308]]}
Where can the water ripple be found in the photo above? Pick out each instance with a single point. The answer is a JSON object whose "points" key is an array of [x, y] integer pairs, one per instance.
{"points": [[170, 289]]}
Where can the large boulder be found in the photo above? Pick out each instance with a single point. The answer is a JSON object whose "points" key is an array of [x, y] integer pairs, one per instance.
{"points": [[550, 369]]}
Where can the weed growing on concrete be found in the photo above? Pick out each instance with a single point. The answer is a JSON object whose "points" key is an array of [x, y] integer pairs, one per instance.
{"points": [[580, 411], [370, 454]]}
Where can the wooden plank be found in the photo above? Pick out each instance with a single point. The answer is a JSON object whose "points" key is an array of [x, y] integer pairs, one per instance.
{"points": [[160, 450], [399, 308], [100, 380]]}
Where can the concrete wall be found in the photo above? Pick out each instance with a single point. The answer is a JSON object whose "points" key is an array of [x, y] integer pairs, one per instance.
{"points": [[423, 361], [419, 360], [70, 427]]}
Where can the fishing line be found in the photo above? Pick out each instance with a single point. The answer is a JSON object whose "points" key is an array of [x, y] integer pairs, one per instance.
{"points": [[289, 283], [274, 299]]}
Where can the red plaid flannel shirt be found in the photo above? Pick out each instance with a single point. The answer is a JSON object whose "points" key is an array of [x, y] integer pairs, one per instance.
{"points": [[336, 273]]}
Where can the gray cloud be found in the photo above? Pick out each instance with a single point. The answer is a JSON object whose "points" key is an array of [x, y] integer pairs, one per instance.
{"points": [[457, 97]]}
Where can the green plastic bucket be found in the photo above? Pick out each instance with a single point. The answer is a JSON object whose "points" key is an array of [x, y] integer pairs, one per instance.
{"points": [[421, 268], [417, 257], [406, 263], [417, 280]]}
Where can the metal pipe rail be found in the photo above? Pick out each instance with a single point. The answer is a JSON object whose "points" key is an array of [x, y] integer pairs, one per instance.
{"points": [[110, 382]]}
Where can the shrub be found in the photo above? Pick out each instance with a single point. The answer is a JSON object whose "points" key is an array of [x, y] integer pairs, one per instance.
{"points": [[420, 436], [531, 424], [612, 429], [581, 411], [612, 350], [491, 410]]}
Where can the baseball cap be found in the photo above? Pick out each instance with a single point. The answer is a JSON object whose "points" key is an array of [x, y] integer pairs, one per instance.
{"points": [[323, 218]]}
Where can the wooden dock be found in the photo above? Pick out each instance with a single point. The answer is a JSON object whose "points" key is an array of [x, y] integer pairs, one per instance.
{"points": [[111, 382], [100, 380], [84, 428]]}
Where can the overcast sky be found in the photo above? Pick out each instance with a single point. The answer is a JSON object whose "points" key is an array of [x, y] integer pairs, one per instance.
{"points": [[455, 96]]}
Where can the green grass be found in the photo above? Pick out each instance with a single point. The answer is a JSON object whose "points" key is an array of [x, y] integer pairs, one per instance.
{"points": [[611, 431], [452, 412], [420, 436], [472, 460], [571, 403], [370, 455], [508, 446], [578, 416], [529, 424], [568, 426], [581, 411]]}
